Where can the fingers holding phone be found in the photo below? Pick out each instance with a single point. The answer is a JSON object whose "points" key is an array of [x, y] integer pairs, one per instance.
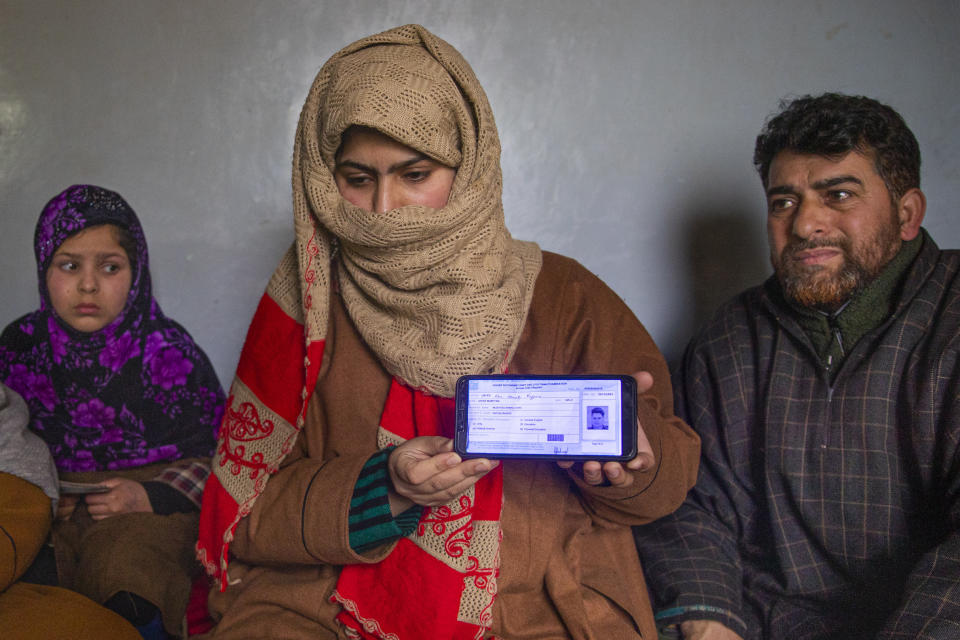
{"points": [[595, 473], [426, 471], [612, 472]]}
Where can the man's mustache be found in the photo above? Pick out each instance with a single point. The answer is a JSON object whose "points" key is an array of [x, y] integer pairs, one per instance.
{"points": [[797, 246]]}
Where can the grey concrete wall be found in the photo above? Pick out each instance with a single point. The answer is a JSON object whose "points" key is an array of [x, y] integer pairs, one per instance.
{"points": [[627, 129]]}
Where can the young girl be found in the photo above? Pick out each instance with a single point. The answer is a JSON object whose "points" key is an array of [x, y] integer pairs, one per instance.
{"points": [[123, 397]]}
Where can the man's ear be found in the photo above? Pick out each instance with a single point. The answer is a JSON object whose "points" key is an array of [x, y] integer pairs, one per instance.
{"points": [[910, 210]]}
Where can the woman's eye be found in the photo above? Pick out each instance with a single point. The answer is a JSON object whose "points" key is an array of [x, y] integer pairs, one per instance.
{"points": [[357, 180], [417, 175]]}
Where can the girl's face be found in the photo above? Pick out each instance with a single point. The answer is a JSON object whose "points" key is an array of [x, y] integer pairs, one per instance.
{"points": [[89, 278]]}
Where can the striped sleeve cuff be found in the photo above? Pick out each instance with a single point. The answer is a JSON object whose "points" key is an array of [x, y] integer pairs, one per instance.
{"points": [[370, 521]]}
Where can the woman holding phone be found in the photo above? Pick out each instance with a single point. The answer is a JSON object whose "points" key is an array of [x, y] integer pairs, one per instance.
{"points": [[337, 507]]}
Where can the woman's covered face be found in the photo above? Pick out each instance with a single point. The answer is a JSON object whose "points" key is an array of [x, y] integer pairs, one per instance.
{"points": [[377, 173], [89, 278]]}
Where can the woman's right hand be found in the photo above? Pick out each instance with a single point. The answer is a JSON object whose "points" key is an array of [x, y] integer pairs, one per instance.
{"points": [[426, 471]]}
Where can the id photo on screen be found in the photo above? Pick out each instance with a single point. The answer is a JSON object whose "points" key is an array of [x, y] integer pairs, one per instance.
{"points": [[597, 418]]}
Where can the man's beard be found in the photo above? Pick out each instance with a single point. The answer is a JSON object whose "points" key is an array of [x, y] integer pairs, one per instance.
{"points": [[820, 288]]}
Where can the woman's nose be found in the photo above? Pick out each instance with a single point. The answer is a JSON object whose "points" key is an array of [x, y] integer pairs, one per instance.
{"points": [[385, 196]]}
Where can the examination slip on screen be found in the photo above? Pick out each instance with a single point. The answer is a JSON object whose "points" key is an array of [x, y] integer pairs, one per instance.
{"points": [[548, 417]]}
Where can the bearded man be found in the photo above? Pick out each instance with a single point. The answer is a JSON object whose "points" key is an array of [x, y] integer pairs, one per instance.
{"points": [[827, 402]]}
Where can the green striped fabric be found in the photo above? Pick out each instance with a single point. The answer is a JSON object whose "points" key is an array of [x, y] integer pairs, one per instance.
{"points": [[370, 521]]}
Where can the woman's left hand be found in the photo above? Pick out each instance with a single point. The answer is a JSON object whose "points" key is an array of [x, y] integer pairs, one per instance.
{"points": [[125, 496], [594, 473]]}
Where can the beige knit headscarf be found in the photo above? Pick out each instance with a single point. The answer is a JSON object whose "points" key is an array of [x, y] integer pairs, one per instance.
{"points": [[435, 293]]}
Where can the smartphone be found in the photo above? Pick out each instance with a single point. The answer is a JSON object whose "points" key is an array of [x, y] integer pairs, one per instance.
{"points": [[81, 488], [554, 417]]}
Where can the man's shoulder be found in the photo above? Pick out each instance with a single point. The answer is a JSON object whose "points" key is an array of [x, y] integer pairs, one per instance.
{"points": [[933, 260], [948, 260], [935, 303], [740, 313], [934, 280]]}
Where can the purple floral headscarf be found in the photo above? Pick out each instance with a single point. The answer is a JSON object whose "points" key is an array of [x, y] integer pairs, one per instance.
{"points": [[135, 392]]}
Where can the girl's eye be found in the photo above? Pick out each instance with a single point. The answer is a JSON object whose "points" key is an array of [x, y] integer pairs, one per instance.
{"points": [[111, 268], [67, 266]]}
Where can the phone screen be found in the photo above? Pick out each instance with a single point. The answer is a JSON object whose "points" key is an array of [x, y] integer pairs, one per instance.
{"points": [[579, 417]]}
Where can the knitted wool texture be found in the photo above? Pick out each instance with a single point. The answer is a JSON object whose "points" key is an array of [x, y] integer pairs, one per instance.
{"points": [[435, 293]]}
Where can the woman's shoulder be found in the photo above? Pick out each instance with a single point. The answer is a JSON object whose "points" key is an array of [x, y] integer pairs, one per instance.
{"points": [[562, 277], [556, 263], [559, 270]]}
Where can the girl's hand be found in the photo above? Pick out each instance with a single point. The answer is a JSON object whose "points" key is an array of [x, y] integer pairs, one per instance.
{"points": [[66, 506], [125, 496]]}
